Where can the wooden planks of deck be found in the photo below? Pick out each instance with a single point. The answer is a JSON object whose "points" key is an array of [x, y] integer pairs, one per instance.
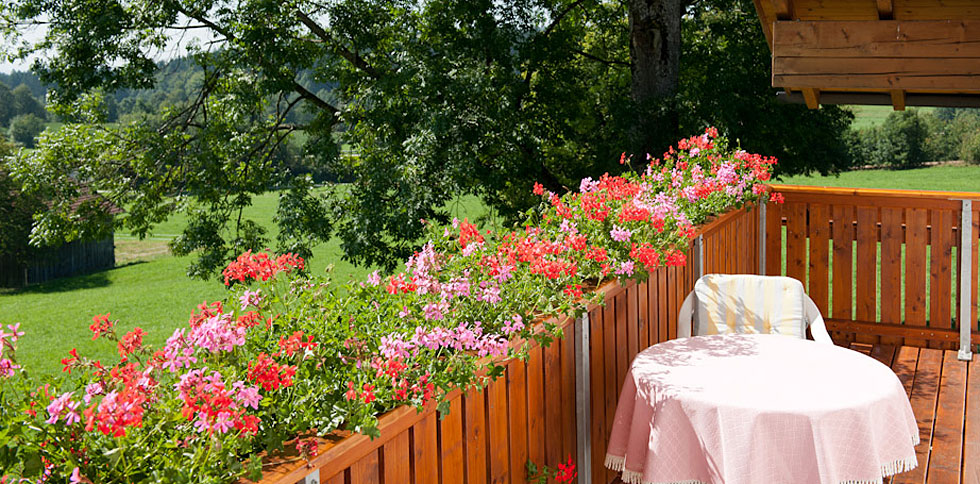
{"points": [[945, 396]]}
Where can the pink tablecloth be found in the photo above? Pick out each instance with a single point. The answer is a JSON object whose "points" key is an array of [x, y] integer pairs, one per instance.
{"points": [[751, 409]]}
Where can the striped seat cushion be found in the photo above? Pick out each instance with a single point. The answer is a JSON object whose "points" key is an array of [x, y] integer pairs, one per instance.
{"points": [[749, 304]]}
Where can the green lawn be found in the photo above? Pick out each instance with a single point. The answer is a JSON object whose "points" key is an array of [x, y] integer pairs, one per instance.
{"points": [[148, 289], [958, 178], [868, 116]]}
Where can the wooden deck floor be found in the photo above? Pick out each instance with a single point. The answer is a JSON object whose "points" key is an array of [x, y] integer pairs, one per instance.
{"points": [[945, 396]]}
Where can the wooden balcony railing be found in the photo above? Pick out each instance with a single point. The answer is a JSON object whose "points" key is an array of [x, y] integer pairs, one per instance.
{"points": [[887, 268], [883, 266]]}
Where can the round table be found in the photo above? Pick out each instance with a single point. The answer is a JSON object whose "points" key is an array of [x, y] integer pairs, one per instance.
{"points": [[752, 409]]}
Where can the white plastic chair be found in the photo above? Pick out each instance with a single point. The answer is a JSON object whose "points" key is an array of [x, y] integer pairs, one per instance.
{"points": [[746, 303]]}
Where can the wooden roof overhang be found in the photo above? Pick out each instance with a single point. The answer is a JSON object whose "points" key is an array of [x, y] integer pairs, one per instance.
{"points": [[889, 52]]}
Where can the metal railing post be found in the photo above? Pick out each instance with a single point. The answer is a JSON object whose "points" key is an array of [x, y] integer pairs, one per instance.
{"points": [[966, 282], [583, 392], [699, 256], [762, 238]]}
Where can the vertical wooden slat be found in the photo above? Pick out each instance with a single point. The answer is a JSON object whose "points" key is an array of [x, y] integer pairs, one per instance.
{"points": [[553, 404], [675, 286], [866, 292], [796, 240], [891, 269], [396, 458], [940, 273], [365, 470], [609, 363], [662, 300], [947, 440], [622, 339], [535, 406], [819, 229], [451, 442], [642, 296], [651, 297], [633, 321], [843, 236], [498, 435], [597, 379], [924, 394], [474, 429], [425, 445], [915, 271], [339, 478], [567, 393], [517, 400], [774, 239], [971, 434]]}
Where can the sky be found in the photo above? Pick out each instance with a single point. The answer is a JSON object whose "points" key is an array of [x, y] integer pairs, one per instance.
{"points": [[176, 48]]}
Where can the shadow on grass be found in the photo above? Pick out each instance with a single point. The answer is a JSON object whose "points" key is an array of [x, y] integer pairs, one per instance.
{"points": [[85, 281]]}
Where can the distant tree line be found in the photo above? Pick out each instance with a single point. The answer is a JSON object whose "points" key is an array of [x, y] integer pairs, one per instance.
{"points": [[22, 115], [910, 138]]}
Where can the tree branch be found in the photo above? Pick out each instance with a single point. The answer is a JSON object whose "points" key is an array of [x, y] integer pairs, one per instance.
{"points": [[351, 56], [599, 59]]}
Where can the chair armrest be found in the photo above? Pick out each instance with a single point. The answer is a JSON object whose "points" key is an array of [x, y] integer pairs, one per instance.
{"points": [[817, 327], [684, 317]]}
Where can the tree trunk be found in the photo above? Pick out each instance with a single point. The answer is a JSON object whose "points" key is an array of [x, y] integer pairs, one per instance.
{"points": [[655, 51]]}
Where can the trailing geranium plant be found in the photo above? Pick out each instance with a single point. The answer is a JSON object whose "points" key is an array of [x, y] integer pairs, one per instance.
{"points": [[288, 356]]}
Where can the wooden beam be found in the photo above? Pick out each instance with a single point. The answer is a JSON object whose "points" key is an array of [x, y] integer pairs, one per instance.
{"points": [[856, 73], [886, 329], [883, 98], [885, 9], [878, 38], [783, 9], [812, 97], [898, 99], [877, 54], [766, 17]]}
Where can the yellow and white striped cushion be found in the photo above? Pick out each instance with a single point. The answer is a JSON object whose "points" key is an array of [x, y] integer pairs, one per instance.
{"points": [[745, 303]]}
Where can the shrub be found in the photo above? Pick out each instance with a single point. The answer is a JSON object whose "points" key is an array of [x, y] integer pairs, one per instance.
{"points": [[970, 148], [24, 129], [289, 356], [901, 141]]}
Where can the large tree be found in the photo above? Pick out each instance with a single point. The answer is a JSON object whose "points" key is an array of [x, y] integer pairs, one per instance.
{"points": [[436, 99]]}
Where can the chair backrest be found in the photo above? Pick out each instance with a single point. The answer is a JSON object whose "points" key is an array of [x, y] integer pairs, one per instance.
{"points": [[746, 303]]}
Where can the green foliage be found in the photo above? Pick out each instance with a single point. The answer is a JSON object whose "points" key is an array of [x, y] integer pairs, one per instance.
{"points": [[725, 68], [16, 213], [6, 104], [435, 99], [24, 102], [970, 149], [24, 129]]}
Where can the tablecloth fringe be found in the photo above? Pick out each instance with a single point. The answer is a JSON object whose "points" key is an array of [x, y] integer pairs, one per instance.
{"points": [[618, 464], [615, 463], [889, 469]]}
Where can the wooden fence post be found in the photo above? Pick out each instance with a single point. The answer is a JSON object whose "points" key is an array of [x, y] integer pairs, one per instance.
{"points": [[966, 282], [762, 238], [583, 394]]}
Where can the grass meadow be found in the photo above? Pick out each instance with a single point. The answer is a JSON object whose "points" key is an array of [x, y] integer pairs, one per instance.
{"points": [[147, 288]]}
